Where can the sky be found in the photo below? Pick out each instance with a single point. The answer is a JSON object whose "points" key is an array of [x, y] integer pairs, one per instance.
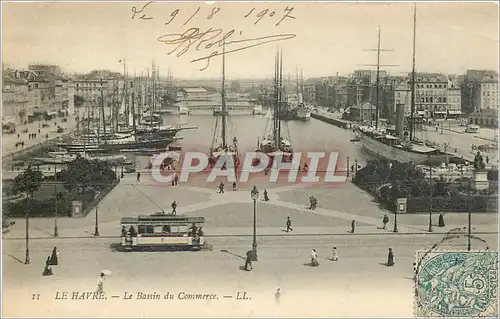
{"points": [[322, 38]]}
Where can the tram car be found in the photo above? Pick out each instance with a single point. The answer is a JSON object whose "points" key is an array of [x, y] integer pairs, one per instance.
{"points": [[162, 230]]}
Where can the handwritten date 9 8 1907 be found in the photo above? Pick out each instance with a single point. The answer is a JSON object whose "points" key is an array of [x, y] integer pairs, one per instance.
{"points": [[211, 38], [258, 15]]}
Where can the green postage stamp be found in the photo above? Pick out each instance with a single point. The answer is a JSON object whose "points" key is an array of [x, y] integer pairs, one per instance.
{"points": [[456, 284]]}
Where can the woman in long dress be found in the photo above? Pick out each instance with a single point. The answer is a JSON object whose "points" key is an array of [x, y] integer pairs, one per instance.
{"points": [[100, 283], [314, 258], [335, 255]]}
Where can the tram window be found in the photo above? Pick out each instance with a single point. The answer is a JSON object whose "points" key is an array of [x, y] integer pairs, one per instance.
{"points": [[174, 229], [183, 229], [158, 229], [141, 229], [166, 229], [150, 229]]}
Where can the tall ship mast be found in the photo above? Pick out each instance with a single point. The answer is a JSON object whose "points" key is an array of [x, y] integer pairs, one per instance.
{"points": [[220, 144], [276, 140], [393, 145]]}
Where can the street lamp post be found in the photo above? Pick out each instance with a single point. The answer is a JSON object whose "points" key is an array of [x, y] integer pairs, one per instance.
{"points": [[430, 195], [395, 230], [28, 207], [56, 230], [348, 167], [255, 195], [96, 232]]}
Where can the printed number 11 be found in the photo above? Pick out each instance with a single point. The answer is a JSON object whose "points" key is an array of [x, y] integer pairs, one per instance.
{"points": [[35, 296]]}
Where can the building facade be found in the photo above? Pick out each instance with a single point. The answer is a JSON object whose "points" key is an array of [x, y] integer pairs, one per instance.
{"points": [[479, 90], [16, 98]]}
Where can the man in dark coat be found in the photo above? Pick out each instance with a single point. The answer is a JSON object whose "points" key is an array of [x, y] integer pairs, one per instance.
{"points": [[248, 261], [441, 220], [54, 261], [48, 270], [288, 225], [266, 197], [353, 226], [221, 188], [174, 208], [390, 258], [138, 176]]}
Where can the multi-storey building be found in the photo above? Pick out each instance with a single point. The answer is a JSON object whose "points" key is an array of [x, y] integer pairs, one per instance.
{"points": [[436, 96], [15, 98], [480, 90], [454, 108]]}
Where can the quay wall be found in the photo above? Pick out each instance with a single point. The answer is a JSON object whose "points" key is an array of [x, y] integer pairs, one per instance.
{"points": [[331, 120]]}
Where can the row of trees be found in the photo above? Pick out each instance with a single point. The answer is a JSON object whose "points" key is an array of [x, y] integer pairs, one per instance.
{"points": [[81, 180], [390, 181]]}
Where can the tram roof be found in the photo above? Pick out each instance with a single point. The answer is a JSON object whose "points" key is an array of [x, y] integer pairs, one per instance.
{"points": [[172, 219]]}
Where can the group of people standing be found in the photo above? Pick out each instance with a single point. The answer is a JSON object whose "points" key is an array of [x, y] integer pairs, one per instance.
{"points": [[52, 260], [314, 256]]}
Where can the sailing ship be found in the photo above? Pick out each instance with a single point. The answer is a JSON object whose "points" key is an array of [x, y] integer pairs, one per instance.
{"points": [[220, 146], [95, 141], [275, 141], [303, 110], [393, 145]]}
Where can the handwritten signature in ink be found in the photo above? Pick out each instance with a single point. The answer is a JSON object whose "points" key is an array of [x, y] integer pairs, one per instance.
{"points": [[143, 16], [205, 40]]}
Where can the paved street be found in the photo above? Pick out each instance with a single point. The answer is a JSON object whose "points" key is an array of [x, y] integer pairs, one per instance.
{"points": [[232, 213], [462, 141], [332, 289], [9, 140]]}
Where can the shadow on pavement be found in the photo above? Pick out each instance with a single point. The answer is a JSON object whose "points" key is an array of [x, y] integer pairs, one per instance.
{"points": [[311, 265], [231, 253], [117, 247], [15, 258]]}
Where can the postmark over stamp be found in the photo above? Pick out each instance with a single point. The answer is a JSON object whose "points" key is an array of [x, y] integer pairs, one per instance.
{"points": [[456, 284]]}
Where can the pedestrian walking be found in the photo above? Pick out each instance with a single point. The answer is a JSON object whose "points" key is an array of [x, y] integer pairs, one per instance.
{"points": [[221, 188], [18, 135], [314, 203], [38, 131], [54, 260], [47, 271], [487, 160], [174, 207], [390, 258], [441, 220], [100, 283], [176, 179], [311, 202], [138, 176], [353, 226], [234, 186], [277, 296], [335, 255], [385, 220], [266, 197], [288, 225], [248, 261], [314, 258]]}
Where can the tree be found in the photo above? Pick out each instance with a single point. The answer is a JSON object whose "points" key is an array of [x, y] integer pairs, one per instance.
{"points": [[78, 100], [27, 182], [83, 175]]}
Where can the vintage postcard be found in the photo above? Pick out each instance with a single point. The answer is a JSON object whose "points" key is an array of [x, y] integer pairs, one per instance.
{"points": [[252, 159]]}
